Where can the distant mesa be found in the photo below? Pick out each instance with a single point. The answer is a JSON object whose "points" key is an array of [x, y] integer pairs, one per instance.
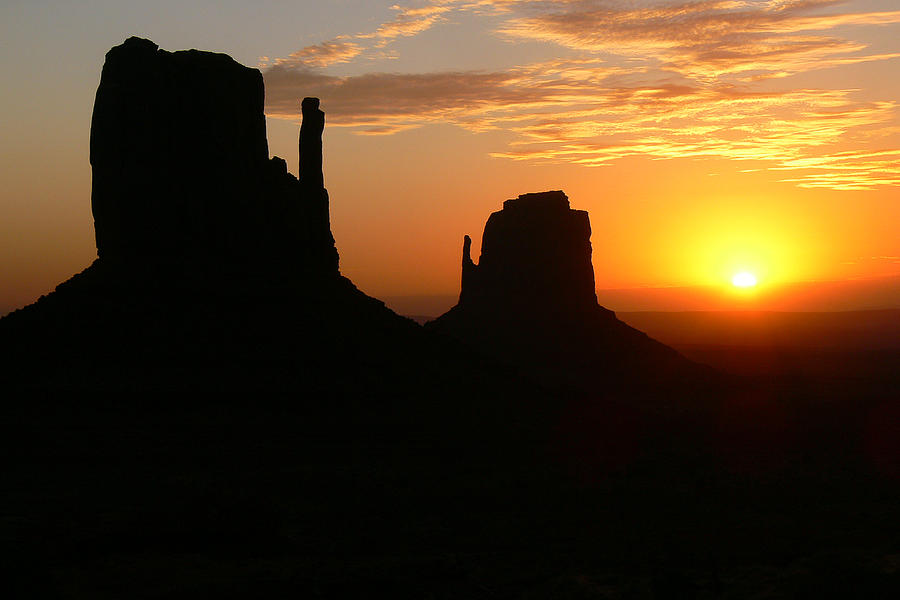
{"points": [[530, 299]]}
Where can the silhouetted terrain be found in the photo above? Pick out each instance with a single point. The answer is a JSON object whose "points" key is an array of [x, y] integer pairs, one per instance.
{"points": [[211, 410]]}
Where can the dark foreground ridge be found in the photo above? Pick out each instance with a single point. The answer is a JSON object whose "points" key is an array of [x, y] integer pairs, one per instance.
{"points": [[530, 301], [210, 410]]}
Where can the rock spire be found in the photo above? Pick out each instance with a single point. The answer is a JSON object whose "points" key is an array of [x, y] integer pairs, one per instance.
{"points": [[311, 176]]}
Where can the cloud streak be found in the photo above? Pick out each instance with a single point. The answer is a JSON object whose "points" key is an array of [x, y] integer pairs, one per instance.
{"points": [[409, 22], [317, 55]]}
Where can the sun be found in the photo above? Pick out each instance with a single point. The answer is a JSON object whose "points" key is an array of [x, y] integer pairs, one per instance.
{"points": [[743, 279]]}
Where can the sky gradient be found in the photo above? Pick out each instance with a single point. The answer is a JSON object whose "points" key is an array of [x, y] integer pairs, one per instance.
{"points": [[704, 137]]}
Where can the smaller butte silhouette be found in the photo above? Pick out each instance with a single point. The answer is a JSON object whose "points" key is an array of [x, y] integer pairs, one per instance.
{"points": [[530, 301]]}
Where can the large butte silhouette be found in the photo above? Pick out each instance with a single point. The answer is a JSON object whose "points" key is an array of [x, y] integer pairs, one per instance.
{"points": [[216, 267], [530, 301]]}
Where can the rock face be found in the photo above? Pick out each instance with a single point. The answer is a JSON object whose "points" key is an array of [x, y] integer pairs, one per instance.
{"points": [[530, 300], [181, 174]]}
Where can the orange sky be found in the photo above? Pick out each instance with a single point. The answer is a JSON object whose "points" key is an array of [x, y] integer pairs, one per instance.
{"points": [[703, 137]]}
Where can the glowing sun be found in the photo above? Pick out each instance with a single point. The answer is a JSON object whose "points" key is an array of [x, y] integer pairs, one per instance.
{"points": [[743, 280]]}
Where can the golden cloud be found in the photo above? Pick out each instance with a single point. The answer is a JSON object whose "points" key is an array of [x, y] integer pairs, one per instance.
{"points": [[317, 55], [409, 22]]}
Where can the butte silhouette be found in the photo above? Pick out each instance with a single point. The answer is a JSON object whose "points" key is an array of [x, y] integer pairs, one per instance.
{"points": [[216, 268], [530, 301]]}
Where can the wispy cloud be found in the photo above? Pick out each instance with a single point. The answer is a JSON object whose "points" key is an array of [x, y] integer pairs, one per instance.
{"points": [[888, 260], [409, 21], [659, 79], [317, 55], [854, 170]]}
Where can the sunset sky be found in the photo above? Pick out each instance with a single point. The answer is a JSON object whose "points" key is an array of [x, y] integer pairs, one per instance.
{"points": [[705, 137]]}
